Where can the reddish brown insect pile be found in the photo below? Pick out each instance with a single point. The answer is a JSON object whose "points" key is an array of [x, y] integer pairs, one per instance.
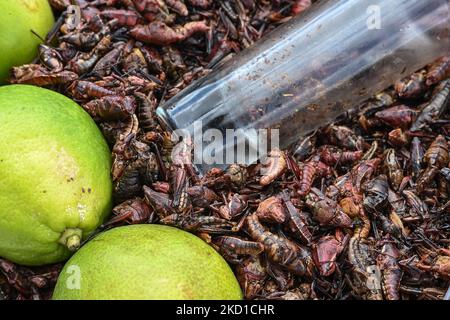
{"points": [[357, 210]]}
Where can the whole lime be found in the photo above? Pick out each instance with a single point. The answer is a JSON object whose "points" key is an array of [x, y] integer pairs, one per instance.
{"points": [[55, 185], [18, 20], [146, 262]]}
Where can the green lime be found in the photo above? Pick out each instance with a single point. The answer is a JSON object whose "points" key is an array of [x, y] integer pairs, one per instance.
{"points": [[18, 18], [146, 262], [55, 185]]}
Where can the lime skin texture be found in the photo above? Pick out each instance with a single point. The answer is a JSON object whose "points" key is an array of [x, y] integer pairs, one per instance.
{"points": [[18, 44], [55, 182], [147, 262]]}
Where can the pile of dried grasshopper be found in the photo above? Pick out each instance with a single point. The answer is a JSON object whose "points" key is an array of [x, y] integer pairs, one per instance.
{"points": [[360, 210]]}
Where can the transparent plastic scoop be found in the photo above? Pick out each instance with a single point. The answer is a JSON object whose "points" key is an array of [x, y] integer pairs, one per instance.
{"points": [[312, 69]]}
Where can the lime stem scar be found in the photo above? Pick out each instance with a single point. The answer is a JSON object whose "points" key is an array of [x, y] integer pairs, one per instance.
{"points": [[71, 238]]}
